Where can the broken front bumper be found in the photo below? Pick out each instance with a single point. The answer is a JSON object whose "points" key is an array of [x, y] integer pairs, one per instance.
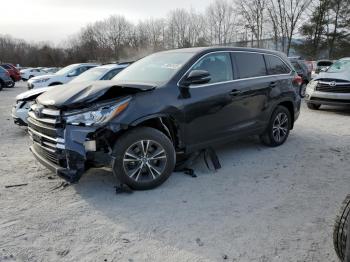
{"points": [[64, 149]]}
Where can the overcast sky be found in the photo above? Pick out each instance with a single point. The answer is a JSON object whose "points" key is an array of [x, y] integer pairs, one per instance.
{"points": [[55, 20]]}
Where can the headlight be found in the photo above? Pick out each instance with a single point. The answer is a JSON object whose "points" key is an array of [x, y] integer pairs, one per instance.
{"points": [[312, 85], [99, 116], [41, 80]]}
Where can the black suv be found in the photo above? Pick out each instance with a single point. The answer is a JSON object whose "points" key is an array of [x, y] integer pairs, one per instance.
{"points": [[162, 107]]}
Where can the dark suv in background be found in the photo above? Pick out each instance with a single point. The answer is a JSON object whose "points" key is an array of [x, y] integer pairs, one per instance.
{"points": [[303, 71], [162, 107]]}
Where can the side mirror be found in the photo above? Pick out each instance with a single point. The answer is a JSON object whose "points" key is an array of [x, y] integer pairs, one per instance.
{"points": [[197, 77]]}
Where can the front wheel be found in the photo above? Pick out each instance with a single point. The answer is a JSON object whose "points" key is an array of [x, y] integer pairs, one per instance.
{"points": [[144, 158], [278, 129]]}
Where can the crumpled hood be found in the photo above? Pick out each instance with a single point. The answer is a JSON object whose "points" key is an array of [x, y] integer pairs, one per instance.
{"points": [[43, 76], [73, 95], [32, 93], [344, 75]]}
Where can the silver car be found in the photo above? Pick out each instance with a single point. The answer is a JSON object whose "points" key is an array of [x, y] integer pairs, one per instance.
{"points": [[331, 87], [26, 99]]}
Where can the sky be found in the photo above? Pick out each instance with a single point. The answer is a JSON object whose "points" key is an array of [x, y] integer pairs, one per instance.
{"points": [[55, 20]]}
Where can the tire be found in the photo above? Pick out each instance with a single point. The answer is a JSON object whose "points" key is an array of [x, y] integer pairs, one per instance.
{"points": [[1, 85], [341, 230], [134, 168], [313, 106], [30, 77], [10, 85], [278, 128], [302, 91]]}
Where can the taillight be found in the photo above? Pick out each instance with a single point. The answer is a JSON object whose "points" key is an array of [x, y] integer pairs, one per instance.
{"points": [[298, 80]]}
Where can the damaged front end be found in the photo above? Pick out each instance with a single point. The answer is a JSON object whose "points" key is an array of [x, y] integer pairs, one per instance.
{"points": [[68, 138]]}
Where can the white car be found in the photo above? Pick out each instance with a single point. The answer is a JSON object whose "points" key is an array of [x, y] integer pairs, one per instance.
{"points": [[31, 72], [62, 76], [26, 99]]}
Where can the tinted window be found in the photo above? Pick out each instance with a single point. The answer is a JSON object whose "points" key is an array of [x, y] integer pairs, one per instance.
{"points": [[276, 65], [218, 65], [112, 74], [250, 64]]}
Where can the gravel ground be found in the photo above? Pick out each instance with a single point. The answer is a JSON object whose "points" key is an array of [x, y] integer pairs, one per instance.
{"points": [[265, 204]]}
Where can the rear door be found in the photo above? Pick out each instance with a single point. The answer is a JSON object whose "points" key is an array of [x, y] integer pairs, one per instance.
{"points": [[255, 85]]}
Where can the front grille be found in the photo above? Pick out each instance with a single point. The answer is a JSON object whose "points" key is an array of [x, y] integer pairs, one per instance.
{"points": [[46, 131], [333, 86]]}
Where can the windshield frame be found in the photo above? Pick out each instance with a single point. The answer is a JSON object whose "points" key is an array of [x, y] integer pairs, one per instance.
{"points": [[175, 73]]}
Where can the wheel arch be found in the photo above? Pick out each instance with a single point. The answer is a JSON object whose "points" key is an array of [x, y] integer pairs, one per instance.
{"points": [[55, 84]]}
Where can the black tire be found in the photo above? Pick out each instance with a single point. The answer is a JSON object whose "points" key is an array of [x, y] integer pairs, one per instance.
{"points": [[30, 77], [313, 106], [11, 84], [123, 163], [341, 229], [270, 136], [1, 85], [302, 91]]}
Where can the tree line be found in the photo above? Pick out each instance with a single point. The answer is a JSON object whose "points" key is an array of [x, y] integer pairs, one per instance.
{"points": [[321, 26]]}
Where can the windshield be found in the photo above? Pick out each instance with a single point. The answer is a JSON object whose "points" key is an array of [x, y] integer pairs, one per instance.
{"points": [[66, 70], [340, 65], [155, 69], [90, 75]]}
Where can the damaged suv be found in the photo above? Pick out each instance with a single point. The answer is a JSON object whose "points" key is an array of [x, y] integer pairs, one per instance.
{"points": [[161, 108]]}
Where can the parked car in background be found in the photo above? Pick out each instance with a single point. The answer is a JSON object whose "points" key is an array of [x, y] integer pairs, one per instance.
{"points": [[331, 87], [62, 76], [5, 79], [26, 99], [14, 73], [163, 106], [29, 73], [303, 71]]}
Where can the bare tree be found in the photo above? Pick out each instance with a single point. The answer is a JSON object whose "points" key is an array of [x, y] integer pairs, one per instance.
{"points": [[221, 22], [253, 13]]}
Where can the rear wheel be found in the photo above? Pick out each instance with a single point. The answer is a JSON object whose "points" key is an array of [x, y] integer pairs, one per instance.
{"points": [[30, 77], [1, 84], [144, 158], [313, 106], [341, 229], [278, 129], [11, 84], [303, 90]]}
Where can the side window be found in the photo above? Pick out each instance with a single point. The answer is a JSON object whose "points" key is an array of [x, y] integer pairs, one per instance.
{"points": [[250, 64], [276, 65], [218, 65], [111, 74]]}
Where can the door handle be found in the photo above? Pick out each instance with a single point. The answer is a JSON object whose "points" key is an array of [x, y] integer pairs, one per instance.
{"points": [[235, 92], [272, 84]]}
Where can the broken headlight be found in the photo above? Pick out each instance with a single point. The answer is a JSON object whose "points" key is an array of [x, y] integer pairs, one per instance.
{"points": [[96, 116]]}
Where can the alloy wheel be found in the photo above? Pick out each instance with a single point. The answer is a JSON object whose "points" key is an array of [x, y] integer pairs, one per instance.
{"points": [[144, 161], [280, 127]]}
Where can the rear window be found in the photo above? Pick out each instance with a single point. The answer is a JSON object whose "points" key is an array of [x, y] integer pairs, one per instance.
{"points": [[324, 63], [6, 66], [250, 64], [276, 66]]}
